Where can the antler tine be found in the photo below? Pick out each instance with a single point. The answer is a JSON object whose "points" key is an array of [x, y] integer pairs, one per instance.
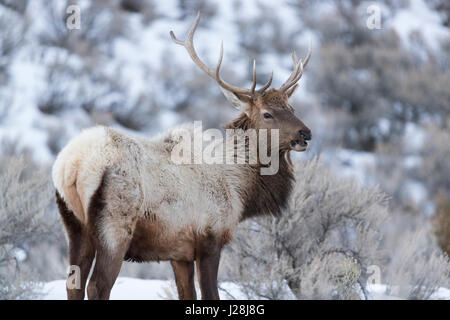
{"points": [[252, 89], [294, 73], [189, 46], [299, 75], [268, 83], [294, 58], [298, 69], [302, 65], [308, 55], [219, 63]]}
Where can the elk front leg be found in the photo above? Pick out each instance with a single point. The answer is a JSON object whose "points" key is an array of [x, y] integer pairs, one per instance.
{"points": [[184, 278], [207, 261]]}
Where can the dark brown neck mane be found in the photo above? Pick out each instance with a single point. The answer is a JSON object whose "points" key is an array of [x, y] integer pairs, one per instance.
{"points": [[242, 122], [264, 194]]}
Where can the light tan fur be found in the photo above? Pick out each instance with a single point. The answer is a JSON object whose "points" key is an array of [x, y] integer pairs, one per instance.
{"points": [[78, 169], [182, 201]]}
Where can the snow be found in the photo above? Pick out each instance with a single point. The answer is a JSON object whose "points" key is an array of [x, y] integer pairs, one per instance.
{"points": [[379, 292], [414, 137], [419, 17], [414, 191], [140, 289], [23, 113], [384, 292], [351, 164], [20, 254]]}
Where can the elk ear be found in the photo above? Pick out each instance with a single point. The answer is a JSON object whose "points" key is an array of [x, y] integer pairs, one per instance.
{"points": [[240, 102], [291, 90]]}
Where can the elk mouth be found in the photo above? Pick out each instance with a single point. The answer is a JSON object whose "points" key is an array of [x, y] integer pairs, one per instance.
{"points": [[299, 145]]}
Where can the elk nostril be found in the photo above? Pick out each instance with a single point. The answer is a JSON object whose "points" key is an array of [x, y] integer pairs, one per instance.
{"points": [[306, 135]]}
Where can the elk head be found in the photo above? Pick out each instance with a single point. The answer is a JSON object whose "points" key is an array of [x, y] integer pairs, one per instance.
{"points": [[263, 108]]}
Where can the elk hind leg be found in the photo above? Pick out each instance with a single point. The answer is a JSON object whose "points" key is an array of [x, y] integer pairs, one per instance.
{"points": [[113, 215], [81, 251], [106, 269], [111, 247]]}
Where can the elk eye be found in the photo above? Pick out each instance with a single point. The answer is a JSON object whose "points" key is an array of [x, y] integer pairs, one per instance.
{"points": [[267, 115]]}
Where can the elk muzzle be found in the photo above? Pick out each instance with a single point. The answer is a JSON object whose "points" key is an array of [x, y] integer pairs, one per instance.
{"points": [[299, 142]]}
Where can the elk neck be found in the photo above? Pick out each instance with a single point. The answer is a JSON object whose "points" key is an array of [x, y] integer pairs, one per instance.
{"points": [[264, 195]]}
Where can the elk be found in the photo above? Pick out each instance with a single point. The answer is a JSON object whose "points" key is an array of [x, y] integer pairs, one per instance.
{"points": [[121, 198]]}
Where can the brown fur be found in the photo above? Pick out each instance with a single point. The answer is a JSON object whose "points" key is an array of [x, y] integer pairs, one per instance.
{"points": [[265, 194], [275, 99], [207, 256], [184, 278], [241, 122], [81, 247], [96, 206], [150, 243], [268, 194], [108, 264]]}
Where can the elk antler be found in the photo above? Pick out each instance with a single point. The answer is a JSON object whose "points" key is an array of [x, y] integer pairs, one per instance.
{"points": [[297, 73], [189, 45]]}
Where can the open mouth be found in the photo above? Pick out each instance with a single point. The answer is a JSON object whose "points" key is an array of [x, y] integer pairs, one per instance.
{"points": [[299, 145]]}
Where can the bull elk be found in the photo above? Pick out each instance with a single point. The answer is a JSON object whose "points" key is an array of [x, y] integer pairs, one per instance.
{"points": [[122, 198]]}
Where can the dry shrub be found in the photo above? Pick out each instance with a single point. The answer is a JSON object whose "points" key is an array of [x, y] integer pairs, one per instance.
{"points": [[320, 248], [24, 198], [441, 223], [329, 240], [417, 267]]}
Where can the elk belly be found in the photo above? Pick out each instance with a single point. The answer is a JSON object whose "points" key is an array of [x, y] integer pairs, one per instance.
{"points": [[155, 241]]}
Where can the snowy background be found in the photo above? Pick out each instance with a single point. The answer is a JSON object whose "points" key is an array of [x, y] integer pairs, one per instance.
{"points": [[377, 102]]}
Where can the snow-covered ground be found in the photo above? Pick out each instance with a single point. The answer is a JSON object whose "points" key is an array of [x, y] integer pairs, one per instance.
{"points": [[140, 289]]}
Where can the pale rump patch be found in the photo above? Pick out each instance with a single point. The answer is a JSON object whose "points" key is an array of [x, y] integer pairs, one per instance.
{"points": [[78, 169], [74, 202]]}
